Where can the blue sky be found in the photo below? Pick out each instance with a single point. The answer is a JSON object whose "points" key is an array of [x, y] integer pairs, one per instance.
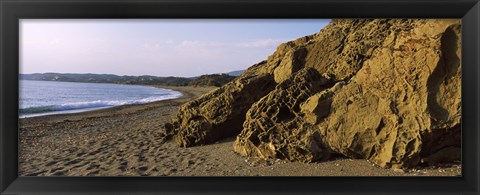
{"points": [[157, 47]]}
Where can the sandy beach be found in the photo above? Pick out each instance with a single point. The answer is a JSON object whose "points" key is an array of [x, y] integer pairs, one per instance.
{"points": [[128, 141]]}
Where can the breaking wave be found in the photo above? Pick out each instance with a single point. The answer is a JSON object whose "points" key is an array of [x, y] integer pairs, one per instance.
{"points": [[95, 104]]}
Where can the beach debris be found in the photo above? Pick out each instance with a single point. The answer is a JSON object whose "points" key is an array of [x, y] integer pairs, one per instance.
{"points": [[399, 170], [260, 162]]}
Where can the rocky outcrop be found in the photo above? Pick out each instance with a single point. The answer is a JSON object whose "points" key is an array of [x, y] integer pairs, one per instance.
{"points": [[274, 125], [384, 90], [219, 114]]}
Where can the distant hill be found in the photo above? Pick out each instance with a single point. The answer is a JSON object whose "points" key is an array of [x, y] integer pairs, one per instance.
{"points": [[212, 80], [107, 78], [235, 73], [204, 80]]}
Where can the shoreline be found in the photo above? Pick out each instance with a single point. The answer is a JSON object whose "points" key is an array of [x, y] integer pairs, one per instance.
{"points": [[185, 95], [128, 141], [76, 111]]}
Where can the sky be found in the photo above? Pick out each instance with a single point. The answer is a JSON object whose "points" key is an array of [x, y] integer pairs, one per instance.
{"points": [[158, 47]]}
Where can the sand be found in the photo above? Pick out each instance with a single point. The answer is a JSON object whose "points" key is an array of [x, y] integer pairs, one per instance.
{"points": [[128, 141]]}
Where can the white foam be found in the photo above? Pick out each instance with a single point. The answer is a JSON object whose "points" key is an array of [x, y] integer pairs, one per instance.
{"points": [[95, 104], [85, 106]]}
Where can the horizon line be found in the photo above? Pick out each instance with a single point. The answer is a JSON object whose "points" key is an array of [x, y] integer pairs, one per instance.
{"points": [[127, 75]]}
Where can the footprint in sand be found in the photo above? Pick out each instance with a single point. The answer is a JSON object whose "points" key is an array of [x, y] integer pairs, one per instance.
{"points": [[36, 174], [123, 166], [54, 170], [96, 151], [75, 161], [51, 163], [59, 173], [81, 154], [93, 173], [143, 168], [80, 165], [94, 166]]}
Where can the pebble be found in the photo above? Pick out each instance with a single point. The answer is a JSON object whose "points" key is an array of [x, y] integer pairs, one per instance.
{"points": [[268, 163], [399, 170]]}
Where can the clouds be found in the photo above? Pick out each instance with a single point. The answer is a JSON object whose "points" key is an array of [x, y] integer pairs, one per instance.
{"points": [[153, 47], [203, 57], [262, 43]]}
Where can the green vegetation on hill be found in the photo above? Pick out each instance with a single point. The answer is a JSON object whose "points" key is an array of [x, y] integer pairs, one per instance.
{"points": [[204, 80], [212, 80], [236, 73]]}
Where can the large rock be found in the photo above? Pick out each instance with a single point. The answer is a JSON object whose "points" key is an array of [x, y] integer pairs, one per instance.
{"points": [[384, 90], [221, 113], [404, 104], [274, 127]]}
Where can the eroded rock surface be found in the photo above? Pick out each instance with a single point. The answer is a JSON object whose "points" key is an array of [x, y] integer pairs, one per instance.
{"points": [[384, 90], [274, 127], [221, 113]]}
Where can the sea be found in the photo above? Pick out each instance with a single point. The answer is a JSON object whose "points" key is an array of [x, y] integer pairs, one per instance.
{"points": [[39, 98]]}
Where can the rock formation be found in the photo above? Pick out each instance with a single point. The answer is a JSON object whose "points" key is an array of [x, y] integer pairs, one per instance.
{"points": [[221, 113], [384, 90]]}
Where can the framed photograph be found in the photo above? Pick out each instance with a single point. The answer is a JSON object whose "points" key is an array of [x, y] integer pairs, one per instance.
{"points": [[247, 97]]}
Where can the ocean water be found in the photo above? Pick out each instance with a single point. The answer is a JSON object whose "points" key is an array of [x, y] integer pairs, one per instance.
{"points": [[53, 97]]}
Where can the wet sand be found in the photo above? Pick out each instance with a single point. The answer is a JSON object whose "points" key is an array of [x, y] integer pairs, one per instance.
{"points": [[128, 141]]}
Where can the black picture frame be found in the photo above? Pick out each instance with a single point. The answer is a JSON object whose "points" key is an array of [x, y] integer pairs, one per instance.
{"points": [[13, 10]]}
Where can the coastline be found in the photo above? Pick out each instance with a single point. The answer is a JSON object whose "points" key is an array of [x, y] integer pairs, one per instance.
{"points": [[87, 109], [128, 141]]}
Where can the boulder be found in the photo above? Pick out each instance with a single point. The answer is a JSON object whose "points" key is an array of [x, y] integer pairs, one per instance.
{"points": [[387, 90], [219, 114], [274, 126]]}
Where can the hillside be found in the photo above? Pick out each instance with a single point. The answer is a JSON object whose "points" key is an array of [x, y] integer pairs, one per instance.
{"points": [[384, 90], [235, 73], [212, 80], [107, 78], [204, 80]]}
